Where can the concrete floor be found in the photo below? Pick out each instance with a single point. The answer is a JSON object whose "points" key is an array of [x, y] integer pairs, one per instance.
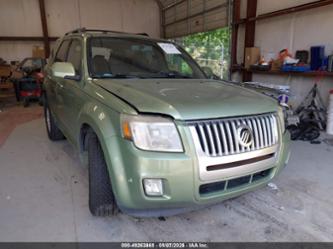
{"points": [[44, 191]]}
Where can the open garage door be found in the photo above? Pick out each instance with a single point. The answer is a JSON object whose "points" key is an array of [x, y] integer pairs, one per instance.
{"points": [[185, 17]]}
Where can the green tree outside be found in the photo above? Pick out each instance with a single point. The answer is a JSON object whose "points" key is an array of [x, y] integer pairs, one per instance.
{"points": [[209, 49]]}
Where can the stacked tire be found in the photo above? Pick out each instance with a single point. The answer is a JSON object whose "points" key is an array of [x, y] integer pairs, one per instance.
{"points": [[329, 126]]}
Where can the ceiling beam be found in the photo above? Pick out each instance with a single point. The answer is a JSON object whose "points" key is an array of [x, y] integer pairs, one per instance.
{"points": [[26, 38], [298, 8], [286, 11]]}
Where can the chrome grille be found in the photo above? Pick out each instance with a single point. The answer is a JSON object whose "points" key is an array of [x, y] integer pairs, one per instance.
{"points": [[219, 137]]}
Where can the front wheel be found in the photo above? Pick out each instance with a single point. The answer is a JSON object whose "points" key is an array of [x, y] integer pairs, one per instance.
{"points": [[101, 198]]}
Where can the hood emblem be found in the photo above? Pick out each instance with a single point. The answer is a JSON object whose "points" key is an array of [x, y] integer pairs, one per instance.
{"points": [[244, 135]]}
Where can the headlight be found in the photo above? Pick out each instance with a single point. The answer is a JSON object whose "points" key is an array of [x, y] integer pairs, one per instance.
{"points": [[151, 133], [282, 119]]}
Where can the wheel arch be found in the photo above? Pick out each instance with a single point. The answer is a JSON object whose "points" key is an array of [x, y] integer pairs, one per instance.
{"points": [[87, 127], [105, 123], [98, 118], [84, 130]]}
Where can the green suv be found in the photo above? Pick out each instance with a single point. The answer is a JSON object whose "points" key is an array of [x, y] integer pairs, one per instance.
{"points": [[159, 136]]}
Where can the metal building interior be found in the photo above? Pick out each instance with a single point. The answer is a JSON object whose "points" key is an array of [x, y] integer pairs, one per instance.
{"points": [[44, 185]]}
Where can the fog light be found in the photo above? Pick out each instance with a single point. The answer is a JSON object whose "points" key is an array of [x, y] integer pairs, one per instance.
{"points": [[153, 187]]}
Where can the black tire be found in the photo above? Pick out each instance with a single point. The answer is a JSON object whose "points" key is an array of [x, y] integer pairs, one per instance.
{"points": [[53, 132], [40, 101], [17, 90], [101, 198], [26, 102]]}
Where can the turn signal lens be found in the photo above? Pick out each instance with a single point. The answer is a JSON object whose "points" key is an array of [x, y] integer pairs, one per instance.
{"points": [[127, 130]]}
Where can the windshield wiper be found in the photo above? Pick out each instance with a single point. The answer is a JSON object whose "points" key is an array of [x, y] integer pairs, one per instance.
{"points": [[115, 76], [174, 75], [124, 76]]}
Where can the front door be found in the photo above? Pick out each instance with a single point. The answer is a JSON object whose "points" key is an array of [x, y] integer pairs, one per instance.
{"points": [[56, 83], [71, 94]]}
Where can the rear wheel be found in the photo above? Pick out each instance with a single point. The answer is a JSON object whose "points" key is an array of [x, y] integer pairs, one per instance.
{"points": [[101, 198], [52, 129], [41, 101], [17, 90], [26, 102]]}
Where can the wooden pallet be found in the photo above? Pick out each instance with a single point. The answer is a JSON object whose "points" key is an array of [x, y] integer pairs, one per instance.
{"points": [[7, 85], [6, 90]]}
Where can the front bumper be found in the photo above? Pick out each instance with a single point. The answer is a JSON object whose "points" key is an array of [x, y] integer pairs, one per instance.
{"points": [[128, 166]]}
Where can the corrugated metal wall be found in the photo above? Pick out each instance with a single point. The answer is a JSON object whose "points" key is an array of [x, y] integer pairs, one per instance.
{"points": [[193, 16], [22, 18]]}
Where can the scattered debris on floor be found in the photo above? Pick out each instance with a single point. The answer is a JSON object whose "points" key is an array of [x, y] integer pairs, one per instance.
{"points": [[315, 142], [328, 141], [272, 186], [311, 114], [161, 218], [281, 208]]}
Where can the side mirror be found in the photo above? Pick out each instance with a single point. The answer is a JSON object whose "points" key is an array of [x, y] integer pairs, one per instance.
{"points": [[210, 74], [64, 70]]}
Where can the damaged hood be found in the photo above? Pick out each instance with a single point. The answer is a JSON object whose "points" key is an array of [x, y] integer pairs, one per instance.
{"points": [[188, 99]]}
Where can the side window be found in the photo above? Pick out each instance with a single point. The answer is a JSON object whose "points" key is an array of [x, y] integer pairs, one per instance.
{"points": [[62, 52], [74, 55]]}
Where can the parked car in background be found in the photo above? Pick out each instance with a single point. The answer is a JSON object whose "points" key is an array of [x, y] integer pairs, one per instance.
{"points": [[160, 136]]}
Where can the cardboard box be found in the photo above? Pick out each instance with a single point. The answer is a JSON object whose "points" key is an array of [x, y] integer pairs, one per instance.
{"points": [[252, 56], [17, 74], [276, 65], [5, 70], [38, 52]]}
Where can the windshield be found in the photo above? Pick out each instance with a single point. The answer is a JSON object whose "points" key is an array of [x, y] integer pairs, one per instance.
{"points": [[110, 57]]}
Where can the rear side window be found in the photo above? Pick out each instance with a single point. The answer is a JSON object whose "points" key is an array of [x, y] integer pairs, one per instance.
{"points": [[74, 55], [62, 52]]}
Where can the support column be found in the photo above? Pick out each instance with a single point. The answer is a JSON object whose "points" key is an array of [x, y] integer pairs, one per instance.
{"points": [[250, 29], [44, 27], [234, 33]]}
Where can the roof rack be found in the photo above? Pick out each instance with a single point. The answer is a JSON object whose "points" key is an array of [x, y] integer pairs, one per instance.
{"points": [[144, 34], [83, 30]]}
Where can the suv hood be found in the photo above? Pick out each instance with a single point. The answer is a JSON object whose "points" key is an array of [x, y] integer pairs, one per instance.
{"points": [[188, 99]]}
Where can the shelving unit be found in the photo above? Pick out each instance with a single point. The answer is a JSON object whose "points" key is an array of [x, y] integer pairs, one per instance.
{"points": [[302, 74], [250, 25]]}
